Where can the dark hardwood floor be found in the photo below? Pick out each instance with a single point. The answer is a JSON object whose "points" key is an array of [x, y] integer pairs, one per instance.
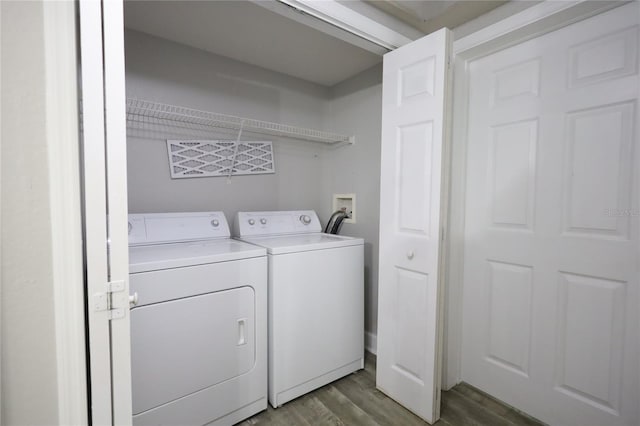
{"points": [[354, 400]]}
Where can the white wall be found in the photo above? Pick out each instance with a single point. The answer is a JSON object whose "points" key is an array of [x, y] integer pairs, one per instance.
{"points": [[29, 382], [356, 108], [168, 72]]}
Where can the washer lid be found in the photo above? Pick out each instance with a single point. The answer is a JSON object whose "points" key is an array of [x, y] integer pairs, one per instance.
{"points": [[177, 255], [283, 244]]}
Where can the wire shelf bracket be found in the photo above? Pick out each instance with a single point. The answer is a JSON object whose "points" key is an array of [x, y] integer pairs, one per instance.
{"points": [[148, 112]]}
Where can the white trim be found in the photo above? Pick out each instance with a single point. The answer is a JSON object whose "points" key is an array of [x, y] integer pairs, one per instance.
{"points": [[532, 22], [507, 26], [349, 20], [1, 399], [95, 209], [371, 342], [64, 199], [287, 11], [455, 228], [116, 170], [445, 218], [498, 14]]}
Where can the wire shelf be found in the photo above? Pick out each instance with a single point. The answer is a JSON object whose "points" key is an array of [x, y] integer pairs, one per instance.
{"points": [[141, 112]]}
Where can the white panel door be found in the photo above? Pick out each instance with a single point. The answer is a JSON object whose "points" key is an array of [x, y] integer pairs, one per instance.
{"points": [[95, 209], [414, 91], [117, 207], [105, 209], [550, 317]]}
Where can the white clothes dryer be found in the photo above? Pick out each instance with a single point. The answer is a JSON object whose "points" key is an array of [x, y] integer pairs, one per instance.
{"points": [[316, 300], [199, 328]]}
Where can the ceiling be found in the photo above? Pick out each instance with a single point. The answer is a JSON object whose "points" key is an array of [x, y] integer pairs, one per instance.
{"points": [[431, 15], [253, 34], [249, 33], [422, 10]]}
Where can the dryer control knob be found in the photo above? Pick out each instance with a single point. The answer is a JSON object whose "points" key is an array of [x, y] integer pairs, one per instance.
{"points": [[252, 222], [305, 219], [215, 223], [263, 221]]}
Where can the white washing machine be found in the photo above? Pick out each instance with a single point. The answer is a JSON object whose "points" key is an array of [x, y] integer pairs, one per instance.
{"points": [[199, 328], [316, 300]]}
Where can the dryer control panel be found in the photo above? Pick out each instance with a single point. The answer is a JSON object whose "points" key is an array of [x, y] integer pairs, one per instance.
{"points": [[158, 228], [276, 223]]}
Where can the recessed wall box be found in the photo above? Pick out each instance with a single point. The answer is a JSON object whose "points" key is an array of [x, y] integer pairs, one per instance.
{"points": [[347, 202]]}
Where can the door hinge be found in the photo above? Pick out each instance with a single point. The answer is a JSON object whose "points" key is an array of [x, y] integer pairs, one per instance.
{"points": [[104, 301]]}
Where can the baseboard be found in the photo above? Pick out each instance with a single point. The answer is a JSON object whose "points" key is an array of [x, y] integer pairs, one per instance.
{"points": [[371, 342]]}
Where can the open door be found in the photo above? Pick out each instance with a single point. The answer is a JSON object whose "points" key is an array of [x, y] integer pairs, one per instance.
{"points": [[415, 80], [104, 189]]}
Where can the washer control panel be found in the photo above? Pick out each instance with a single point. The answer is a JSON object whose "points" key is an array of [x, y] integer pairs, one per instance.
{"points": [[276, 223], [157, 228]]}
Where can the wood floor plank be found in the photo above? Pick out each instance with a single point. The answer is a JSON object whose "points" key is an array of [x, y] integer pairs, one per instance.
{"points": [[316, 412], [364, 379], [459, 410], [394, 410], [290, 414], [495, 406], [344, 408], [388, 413], [355, 401], [263, 418], [304, 411], [370, 363]]}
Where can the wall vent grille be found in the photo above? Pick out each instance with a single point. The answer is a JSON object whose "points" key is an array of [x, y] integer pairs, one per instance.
{"points": [[199, 158]]}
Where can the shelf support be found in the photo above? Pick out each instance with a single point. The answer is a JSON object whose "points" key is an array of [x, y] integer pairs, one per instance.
{"points": [[235, 152]]}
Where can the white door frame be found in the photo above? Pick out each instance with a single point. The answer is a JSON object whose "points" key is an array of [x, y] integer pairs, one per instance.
{"points": [[61, 100], [64, 212], [535, 21]]}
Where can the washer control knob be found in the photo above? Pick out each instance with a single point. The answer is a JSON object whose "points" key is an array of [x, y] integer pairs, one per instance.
{"points": [[305, 219], [215, 223], [252, 222], [263, 221]]}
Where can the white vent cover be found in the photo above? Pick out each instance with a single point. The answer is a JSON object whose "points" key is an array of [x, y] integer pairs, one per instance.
{"points": [[197, 158]]}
